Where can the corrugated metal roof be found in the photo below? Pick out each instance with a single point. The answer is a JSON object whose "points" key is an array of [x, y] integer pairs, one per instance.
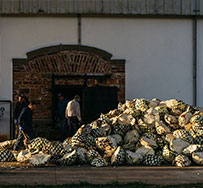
{"points": [[102, 7]]}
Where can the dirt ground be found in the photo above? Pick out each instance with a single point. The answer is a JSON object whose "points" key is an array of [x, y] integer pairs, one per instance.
{"points": [[16, 173]]}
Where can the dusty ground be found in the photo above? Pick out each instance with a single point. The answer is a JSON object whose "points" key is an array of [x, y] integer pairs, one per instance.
{"points": [[14, 174]]}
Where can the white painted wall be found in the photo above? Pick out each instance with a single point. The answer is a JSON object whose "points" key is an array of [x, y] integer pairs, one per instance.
{"points": [[200, 63], [21, 35], [158, 53]]}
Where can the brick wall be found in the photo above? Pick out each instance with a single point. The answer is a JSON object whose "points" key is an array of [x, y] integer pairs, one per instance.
{"points": [[33, 76]]}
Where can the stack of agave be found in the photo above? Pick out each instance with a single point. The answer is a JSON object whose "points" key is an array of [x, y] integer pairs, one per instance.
{"points": [[139, 132]]}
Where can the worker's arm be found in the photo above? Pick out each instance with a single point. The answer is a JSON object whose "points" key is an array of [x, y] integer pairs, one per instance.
{"points": [[21, 119], [66, 112]]}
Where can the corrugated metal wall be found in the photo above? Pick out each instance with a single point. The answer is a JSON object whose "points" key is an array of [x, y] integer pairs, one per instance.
{"points": [[107, 7]]}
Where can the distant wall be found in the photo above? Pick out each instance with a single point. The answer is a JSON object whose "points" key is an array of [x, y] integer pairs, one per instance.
{"points": [[158, 52], [21, 35]]}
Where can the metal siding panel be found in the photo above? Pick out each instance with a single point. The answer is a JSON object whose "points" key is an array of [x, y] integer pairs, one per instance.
{"points": [[168, 7], [134, 6], [117, 6], [127, 9], [15, 7], [159, 6], [201, 7], [99, 6], [177, 7], [186, 7], [53, 6], [144, 7], [43, 6], [90, 6], [6, 6], [151, 4], [194, 9], [70, 6], [81, 6], [106, 6], [141, 7]]}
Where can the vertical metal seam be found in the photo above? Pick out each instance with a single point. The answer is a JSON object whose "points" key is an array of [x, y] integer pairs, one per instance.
{"points": [[79, 29]]}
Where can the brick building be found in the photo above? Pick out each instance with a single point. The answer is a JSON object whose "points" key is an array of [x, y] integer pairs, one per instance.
{"points": [[104, 50]]}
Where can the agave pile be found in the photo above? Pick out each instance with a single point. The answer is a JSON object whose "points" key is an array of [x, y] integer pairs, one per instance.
{"points": [[139, 132]]}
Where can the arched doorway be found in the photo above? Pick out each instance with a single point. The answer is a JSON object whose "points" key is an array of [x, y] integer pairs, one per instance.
{"points": [[70, 69]]}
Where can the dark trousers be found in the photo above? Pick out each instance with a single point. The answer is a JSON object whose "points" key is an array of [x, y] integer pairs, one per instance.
{"points": [[73, 125], [19, 141], [63, 128]]}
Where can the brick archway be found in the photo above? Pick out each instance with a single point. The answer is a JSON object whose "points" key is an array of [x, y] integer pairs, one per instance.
{"points": [[33, 75]]}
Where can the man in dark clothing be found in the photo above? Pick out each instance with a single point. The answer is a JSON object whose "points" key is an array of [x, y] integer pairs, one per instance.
{"points": [[22, 103], [60, 114], [25, 125]]}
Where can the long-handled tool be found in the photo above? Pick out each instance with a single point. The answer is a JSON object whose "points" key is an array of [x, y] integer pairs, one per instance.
{"points": [[26, 139]]}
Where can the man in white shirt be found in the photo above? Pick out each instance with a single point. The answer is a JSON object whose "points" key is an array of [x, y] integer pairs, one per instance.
{"points": [[73, 115]]}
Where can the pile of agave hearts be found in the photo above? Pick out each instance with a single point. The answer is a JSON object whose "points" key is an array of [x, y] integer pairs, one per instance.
{"points": [[139, 132]]}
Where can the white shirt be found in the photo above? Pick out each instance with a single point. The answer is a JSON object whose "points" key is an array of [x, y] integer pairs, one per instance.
{"points": [[73, 109]]}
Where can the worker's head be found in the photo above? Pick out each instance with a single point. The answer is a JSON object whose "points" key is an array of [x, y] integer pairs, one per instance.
{"points": [[24, 99], [60, 96], [77, 98], [20, 98], [32, 105]]}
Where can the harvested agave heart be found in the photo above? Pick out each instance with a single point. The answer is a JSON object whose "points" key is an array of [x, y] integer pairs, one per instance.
{"points": [[99, 162], [92, 154], [37, 143], [152, 160], [182, 161], [6, 155], [133, 158], [183, 135], [118, 157], [198, 158], [39, 159], [184, 118], [7, 144], [167, 154], [141, 104], [68, 159]]}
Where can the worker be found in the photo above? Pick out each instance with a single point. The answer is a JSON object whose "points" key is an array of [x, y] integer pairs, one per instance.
{"points": [[73, 115], [21, 103], [25, 125], [60, 114]]}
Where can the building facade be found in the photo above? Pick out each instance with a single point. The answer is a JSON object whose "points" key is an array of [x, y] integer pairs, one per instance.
{"points": [[144, 48]]}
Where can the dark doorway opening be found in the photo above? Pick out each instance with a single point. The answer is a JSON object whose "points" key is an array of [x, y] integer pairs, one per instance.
{"points": [[94, 100]]}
